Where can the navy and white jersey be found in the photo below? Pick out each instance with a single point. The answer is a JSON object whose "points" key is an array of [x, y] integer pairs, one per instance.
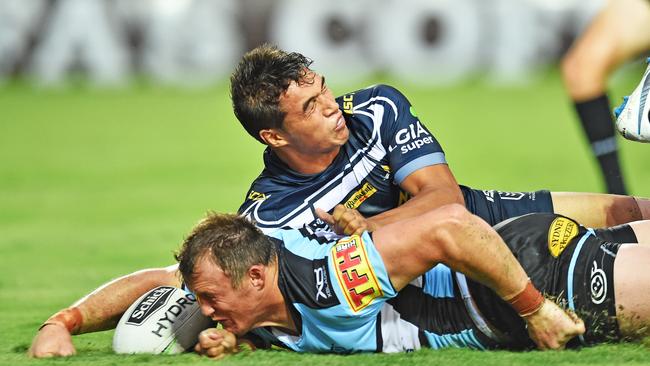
{"points": [[342, 301], [387, 143]]}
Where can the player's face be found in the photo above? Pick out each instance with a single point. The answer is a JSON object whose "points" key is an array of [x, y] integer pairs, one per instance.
{"points": [[314, 124], [233, 307]]}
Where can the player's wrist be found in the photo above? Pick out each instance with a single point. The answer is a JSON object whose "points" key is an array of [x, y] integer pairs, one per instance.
{"points": [[69, 318], [527, 302]]}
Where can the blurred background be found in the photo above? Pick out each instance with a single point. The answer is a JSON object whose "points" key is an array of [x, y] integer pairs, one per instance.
{"points": [[196, 42]]}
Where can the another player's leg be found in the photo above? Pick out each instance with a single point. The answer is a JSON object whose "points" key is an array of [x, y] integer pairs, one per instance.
{"points": [[601, 210], [632, 290], [617, 34]]}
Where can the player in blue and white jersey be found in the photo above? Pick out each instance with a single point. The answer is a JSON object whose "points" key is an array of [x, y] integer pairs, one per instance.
{"points": [[368, 151], [401, 287]]}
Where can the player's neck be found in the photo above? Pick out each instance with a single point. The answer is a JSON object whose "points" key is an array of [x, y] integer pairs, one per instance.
{"points": [[307, 163]]}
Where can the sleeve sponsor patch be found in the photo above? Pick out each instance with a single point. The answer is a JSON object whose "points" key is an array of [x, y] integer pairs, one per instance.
{"points": [[354, 273], [560, 233]]}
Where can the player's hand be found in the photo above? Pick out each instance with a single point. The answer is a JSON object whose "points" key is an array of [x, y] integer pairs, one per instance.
{"points": [[216, 343], [346, 221], [51, 341], [551, 327]]}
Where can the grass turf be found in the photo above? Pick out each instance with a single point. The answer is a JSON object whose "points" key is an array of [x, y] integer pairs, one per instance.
{"points": [[95, 184]]}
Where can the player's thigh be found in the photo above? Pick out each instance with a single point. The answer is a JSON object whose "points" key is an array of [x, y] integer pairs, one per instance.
{"points": [[619, 32], [595, 209], [632, 290]]}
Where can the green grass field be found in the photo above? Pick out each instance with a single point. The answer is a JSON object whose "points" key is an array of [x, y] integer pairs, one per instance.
{"points": [[94, 184]]}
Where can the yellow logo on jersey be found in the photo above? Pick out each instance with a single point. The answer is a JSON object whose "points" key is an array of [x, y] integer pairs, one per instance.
{"points": [[354, 272], [403, 197], [256, 196], [348, 103], [357, 198], [560, 234]]}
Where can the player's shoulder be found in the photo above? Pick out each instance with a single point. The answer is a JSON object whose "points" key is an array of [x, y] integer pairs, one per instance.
{"points": [[377, 92]]}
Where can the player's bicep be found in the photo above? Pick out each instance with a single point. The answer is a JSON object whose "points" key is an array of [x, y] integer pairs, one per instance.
{"points": [[430, 177]]}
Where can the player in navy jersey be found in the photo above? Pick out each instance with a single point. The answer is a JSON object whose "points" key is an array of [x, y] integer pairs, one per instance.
{"points": [[369, 152], [404, 287]]}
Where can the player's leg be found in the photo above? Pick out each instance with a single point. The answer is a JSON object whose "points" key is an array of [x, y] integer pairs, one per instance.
{"points": [[600, 210], [641, 231], [632, 290], [618, 33]]}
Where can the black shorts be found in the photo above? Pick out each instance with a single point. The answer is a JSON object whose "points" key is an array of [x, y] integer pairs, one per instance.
{"points": [[566, 262], [496, 206]]}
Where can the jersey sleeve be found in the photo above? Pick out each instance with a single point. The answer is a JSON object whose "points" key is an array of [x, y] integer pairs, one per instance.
{"points": [[409, 143]]}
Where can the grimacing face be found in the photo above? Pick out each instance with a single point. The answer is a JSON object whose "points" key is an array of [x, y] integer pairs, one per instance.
{"points": [[233, 307], [314, 124]]}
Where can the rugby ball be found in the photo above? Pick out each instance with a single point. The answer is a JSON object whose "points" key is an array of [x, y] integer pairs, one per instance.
{"points": [[164, 320]]}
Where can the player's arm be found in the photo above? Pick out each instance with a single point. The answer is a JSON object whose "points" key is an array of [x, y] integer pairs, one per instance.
{"points": [[430, 187], [465, 243], [99, 310]]}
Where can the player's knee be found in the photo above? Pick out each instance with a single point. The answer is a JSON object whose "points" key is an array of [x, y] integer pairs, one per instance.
{"points": [[582, 75]]}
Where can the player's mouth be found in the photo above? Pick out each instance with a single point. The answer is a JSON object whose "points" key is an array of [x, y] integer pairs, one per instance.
{"points": [[340, 122]]}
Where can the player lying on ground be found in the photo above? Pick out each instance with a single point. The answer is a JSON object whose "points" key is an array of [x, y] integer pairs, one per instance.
{"points": [[368, 151], [459, 240]]}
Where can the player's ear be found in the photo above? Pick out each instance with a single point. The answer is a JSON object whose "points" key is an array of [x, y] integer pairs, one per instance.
{"points": [[273, 137], [257, 276]]}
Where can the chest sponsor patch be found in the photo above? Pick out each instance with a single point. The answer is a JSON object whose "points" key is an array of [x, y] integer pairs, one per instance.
{"points": [[357, 198], [354, 273], [560, 234]]}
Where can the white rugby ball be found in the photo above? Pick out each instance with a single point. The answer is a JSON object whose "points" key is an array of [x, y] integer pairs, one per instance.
{"points": [[164, 320]]}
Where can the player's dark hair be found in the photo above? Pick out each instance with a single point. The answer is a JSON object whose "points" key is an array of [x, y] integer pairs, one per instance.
{"points": [[230, 241], [259, 79]]}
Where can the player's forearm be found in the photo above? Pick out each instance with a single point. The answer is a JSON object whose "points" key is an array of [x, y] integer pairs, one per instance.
{"points": [[102, 308], [424, 201], [479, 252]]}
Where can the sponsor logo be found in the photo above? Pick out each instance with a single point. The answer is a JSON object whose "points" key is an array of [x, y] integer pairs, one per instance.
{"points": [[153, 301], [357, 198], [598, 284], [348, 103], [256, 196], [509, 196], [317, 226], [354, 273], [322, 286], [173, 313], [560, 233], [412, 138], [386, 168], [403, 197]]}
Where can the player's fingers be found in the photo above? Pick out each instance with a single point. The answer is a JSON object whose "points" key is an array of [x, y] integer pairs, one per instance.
{"points": [[338, 212], [210, 338], [323, 215], [353, 227], [213, 352]]}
